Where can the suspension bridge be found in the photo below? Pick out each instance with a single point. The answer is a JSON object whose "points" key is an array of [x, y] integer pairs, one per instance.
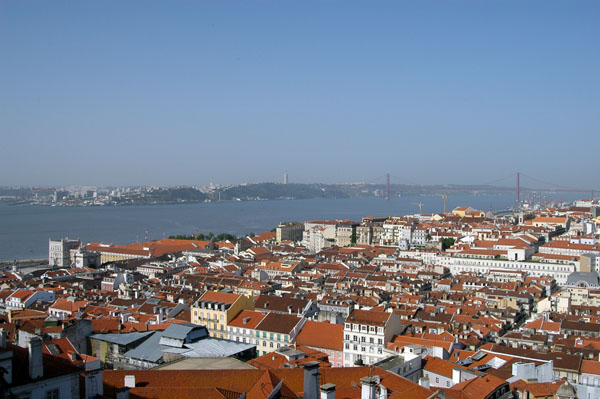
{"points": [[516, 179]]}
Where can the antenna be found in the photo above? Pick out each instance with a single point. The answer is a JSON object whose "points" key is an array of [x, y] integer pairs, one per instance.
{"points": [[518, 185], [387, 186]]}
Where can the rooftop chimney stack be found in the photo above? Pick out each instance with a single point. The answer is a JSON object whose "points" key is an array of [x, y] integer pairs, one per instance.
{"points": [[369, 384], [122, 393], [36, 367], [6, 359], [130, 381], [328, 391], [311, 380]]}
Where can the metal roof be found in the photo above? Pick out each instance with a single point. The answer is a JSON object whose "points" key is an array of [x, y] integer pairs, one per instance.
{"points": [[121, 339]]}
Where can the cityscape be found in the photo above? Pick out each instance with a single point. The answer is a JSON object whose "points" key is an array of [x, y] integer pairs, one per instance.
{"points": [[299, 199], [463, 302]]}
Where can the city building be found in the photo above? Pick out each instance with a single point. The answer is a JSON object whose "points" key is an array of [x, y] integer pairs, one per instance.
{"points": [[59, 251], [216, 309], [366, 332]]}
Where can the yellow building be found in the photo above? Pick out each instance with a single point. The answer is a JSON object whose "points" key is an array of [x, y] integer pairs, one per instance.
{"points": [[461, 210], [216, 309]]}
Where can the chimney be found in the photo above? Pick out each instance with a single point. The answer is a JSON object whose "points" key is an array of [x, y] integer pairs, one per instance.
{"points": [[130, 381], [36, 368], [368, 387], [383, 392], [455, 375], [328, 391], [424, 382], [311, 380], [122, 393]]}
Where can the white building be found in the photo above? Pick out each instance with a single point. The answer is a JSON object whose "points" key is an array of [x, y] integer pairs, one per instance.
{"points": [[559, 271], [366, 333], [59, 251]]}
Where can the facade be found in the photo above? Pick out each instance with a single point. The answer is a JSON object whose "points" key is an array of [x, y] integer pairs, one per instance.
{"points": [[289, 231], [559, 271], [365, 335], [59, 254], [276, 330], [397, 232], [318, 235], [82, 258], [242, 327], [216, 309]]}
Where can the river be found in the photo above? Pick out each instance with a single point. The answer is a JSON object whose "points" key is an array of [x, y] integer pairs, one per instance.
{"points": [[25, 229]]}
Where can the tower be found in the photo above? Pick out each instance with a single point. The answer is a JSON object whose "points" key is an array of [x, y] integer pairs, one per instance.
{"points": [[285, 177]]}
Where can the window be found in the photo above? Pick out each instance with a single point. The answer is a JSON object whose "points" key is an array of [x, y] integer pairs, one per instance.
{"points": [[363, 339], [347, 337]]}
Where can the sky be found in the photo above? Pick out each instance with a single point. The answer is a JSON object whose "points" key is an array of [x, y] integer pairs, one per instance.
{"points": [[118, 92]]}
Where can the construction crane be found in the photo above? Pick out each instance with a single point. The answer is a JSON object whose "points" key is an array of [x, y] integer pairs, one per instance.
{"points": [[420, 205], [444, 196]]}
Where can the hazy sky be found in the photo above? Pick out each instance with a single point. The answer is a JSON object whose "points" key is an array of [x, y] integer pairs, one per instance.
{"points": [[192, 92]]}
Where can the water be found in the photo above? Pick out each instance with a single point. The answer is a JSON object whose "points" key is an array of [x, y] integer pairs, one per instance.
{"points": [[25, 229]]}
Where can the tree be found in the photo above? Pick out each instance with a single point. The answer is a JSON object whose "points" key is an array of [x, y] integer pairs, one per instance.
{"points": [[353, 236], [447, 243]]}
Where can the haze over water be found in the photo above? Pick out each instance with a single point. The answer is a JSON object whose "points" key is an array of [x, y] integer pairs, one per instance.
{"points": [[25, 229]]}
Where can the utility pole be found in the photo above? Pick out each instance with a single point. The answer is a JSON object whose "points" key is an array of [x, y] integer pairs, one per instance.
{"points": [[444, 196]]}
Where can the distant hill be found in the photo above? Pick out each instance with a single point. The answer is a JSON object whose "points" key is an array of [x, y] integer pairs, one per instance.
{"points": [[272, 191]]}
